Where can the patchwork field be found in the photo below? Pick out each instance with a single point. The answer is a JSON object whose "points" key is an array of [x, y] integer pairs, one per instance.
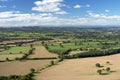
{"points": [[10, 56], [75, 52], [83, 69], [41, 52], [21, 67], [16, 50]]}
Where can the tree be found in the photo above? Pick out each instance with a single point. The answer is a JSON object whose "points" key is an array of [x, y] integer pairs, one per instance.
{"points": [[61, 45], [32, 70], [7, 59], [31, 45], [98, 65], [42, 42], [108, 69], [99, 72], [52, 63]]}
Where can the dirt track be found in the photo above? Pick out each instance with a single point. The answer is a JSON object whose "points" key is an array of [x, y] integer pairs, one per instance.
{"points": [[83, 69]]}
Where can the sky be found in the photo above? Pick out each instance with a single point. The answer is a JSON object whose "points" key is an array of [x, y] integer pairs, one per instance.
{"points": [[59, 13]]}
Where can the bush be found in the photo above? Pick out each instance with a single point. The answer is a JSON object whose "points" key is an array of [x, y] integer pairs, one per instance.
{"points": [[7, 59], [108, 69], [17, 58], [32, 70], [61, 59], [52, 63], [108, 62], [99, 72], [98, 65]]}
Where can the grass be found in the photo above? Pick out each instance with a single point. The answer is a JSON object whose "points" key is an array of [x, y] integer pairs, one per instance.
{"points": [[17, 50], [98, 45]]}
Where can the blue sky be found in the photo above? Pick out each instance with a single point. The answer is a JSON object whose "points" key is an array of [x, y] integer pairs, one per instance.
{"points": [[59, 12]]}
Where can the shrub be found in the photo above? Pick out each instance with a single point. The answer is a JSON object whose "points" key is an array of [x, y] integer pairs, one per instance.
{"points": [[32, 70], [52, 63], [17, 58], [98, 65], [108, 69], [20, 52], [99, 72], [7, 59], [108, 62]]}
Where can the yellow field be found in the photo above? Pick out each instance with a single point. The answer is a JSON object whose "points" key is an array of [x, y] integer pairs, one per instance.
{"points": [[21, 67], [83, 69], [10, 56], [41, 52]]}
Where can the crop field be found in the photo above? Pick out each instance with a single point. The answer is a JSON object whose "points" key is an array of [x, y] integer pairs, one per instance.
{"points": [[17, 50], [60, 53], [83, 69], [41, 52], [75, 52], [10, 56], [21, 67], [14, 41]]}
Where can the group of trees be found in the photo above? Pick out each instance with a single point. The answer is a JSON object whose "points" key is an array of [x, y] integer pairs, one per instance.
{"points": [[94, 53], [102, 70]]}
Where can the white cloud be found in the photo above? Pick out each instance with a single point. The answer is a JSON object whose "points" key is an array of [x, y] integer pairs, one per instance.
{"points": [[94, 15], [77, 6], [107, 10], [16, 18], [53, 6]]}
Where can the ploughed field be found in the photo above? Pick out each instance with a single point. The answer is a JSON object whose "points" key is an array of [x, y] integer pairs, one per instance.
{"points": [[83, 69]]}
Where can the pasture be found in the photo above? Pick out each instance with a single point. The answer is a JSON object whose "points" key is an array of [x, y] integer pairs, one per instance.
{"points": [[83, 45]]}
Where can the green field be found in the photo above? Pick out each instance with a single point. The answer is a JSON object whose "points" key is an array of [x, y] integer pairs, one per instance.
{"points": [[84, 45], [17, 50]]}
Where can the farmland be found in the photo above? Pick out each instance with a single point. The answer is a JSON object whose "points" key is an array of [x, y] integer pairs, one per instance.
{"points": [[41, 52], [21, 67], [52, 51], [10, 56], [14, 52], [82, 69], [17, 50]]}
